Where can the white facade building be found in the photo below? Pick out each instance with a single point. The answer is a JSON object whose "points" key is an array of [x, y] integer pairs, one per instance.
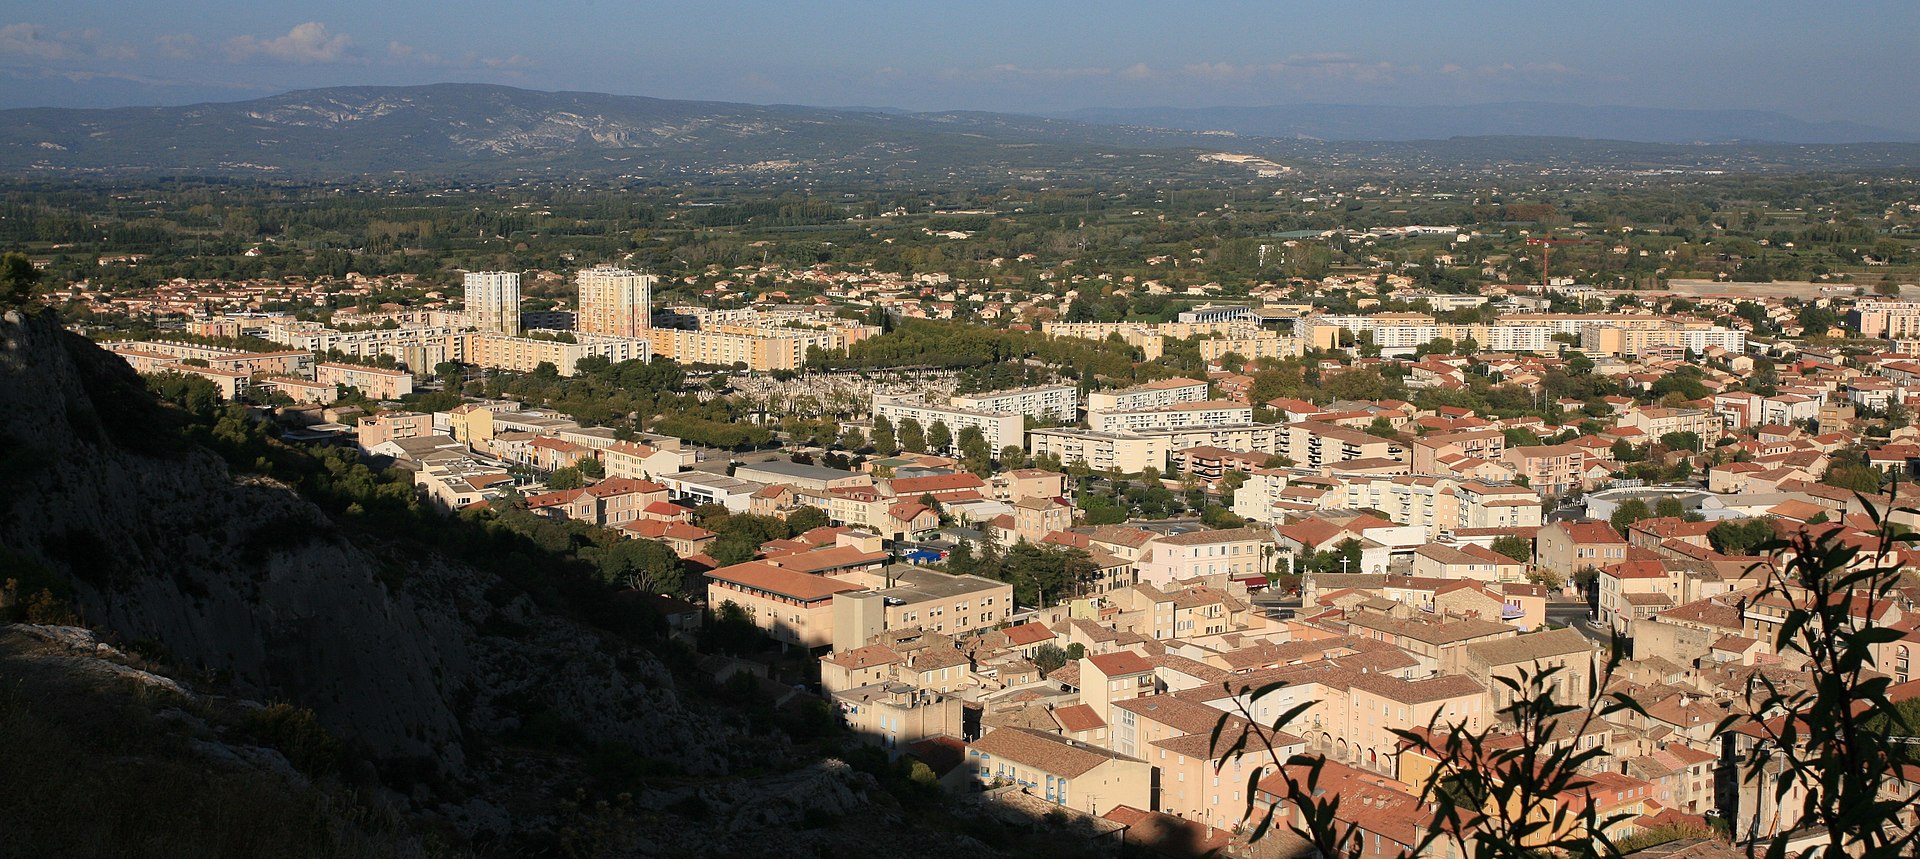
{"points": [[493, 301]]}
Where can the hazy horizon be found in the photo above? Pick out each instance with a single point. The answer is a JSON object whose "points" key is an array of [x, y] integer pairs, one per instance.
{"points": [[996, 56]]}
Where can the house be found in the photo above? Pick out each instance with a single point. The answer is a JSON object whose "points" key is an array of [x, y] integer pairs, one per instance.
{"points": [[1526, 656], [1236, 552], [647, 462], [685, 539], [1061, 771], [1565, 548], [893, 715], [1441, 561]]}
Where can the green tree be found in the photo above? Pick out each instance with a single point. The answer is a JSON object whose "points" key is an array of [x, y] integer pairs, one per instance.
{"points": [[1670, 508], [884, 442], [565, 478], [975, 452], [1683, 440], [1740, 536], [644, 565], [1049, 658], [17, 279], [1515, 547], [939, 438], [807, 518], [913, 437], [1630, 511]]}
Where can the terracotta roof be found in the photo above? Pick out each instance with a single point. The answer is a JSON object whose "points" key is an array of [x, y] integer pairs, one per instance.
{"points": [[1123, 662], [1078, 718], [871, 656], [1531, 647], [1027, 633], [760, 575], [1045, 752]]}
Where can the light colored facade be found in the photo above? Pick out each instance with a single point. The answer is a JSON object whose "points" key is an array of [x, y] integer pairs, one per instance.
{"points": [[790, 607], [1312, 444], [615, 301], [1890, 320], [1000, 429], [1265, 345], [525, 354], [493, 301], [1236, 552], [1204, 413], [1656, 422], [292, 363], [1044, 402], [1550, 470], [375, 430], [1152, 395], [894, 715], [759, 351], [1609, 339], [1569, 547], [902, 597], [1061, 771], [1130, 452], [644, 461], [694, 488], [372, 381]]}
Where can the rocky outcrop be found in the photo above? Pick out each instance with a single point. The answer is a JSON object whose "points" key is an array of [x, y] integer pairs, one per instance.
{"points": [[410, 653]]}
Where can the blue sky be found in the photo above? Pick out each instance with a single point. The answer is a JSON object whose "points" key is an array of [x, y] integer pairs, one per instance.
{"points": [[1835, 61]]}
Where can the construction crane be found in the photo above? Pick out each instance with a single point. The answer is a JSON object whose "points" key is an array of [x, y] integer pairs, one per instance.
{"points": [[1546, 253]]}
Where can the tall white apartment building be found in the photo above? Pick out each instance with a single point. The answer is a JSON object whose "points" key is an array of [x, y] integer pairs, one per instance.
{"points": [[615, 301], [1042, 402], [493, 301]]}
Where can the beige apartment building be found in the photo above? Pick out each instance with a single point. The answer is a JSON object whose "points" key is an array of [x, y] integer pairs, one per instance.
{"points": [[1312, 444], [1151, 395], [526, 354], [615, 301], [493, 301], [376, 430], [1202, 413], [372, 381], [904, 597], [790, 607], [1550, 469]]}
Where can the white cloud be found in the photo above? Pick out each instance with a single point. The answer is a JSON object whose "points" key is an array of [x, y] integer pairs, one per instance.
{"points": [[305, 43]]}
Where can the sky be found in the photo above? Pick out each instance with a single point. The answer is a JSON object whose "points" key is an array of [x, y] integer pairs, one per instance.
{"points": [[1850, 61]]}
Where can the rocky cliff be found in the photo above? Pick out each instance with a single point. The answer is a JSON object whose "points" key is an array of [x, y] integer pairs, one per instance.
{"points": [[408, 652]]}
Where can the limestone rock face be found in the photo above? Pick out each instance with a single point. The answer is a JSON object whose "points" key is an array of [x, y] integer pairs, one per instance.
{"points": [[246, 581]]}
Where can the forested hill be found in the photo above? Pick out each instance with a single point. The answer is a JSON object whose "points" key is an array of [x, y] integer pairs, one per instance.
{"points": [[491, 133], [496, 130]]}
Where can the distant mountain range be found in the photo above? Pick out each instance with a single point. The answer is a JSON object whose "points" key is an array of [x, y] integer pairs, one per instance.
{"points": [[487, 133], [477, 128], [1528, 119]]}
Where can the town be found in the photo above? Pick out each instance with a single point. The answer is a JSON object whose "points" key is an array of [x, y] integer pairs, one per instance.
{"points": [[1064, 578]]}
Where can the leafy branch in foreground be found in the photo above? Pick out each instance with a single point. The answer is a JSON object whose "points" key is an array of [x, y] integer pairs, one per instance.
{"points": [[1827, 751], [1827, 755]]}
